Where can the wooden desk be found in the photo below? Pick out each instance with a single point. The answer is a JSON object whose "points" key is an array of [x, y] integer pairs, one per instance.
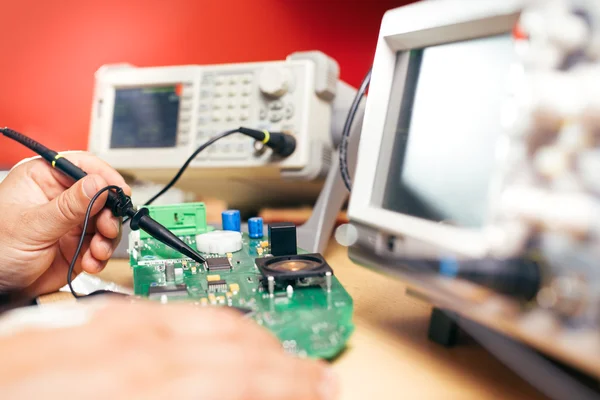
{"points": [[389, 356]]}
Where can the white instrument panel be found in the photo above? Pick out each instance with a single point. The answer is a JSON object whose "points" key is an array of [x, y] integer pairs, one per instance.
{"points": [[154, 118]]}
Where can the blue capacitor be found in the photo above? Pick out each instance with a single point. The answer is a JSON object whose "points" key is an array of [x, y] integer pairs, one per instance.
{"points": [[231, 220], [255, 227]]}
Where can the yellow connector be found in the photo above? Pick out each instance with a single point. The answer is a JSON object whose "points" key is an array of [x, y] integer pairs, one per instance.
{"points": [[264, 243], [259, 251], [212, 298], [204, 301], [229, 255], [234, 287], [213, 278]]}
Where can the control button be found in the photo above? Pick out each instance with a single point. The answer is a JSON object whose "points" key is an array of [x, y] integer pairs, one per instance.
{"points": [[230, 117], [185, 106], [220, 80], [246, 78], [205, 94], [276, 105], [262, 114], [231, 104], [216, 116], [217, 105], [208, 79], [246, 90], [184, 127], [187, 93], [289, 111], [202, 120], [232, 92], [233, 79], [274, 81], [244, 115], [245, 103], [203, 107], [220, 92], [185, 117], [276, 116]]}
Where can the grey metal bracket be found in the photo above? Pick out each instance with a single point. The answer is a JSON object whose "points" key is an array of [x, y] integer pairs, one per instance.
{"points": [[314, 235]]}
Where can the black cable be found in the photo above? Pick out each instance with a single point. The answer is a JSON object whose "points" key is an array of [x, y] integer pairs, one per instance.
{"points": [[86, 220], [187, 163], [347, 127], [174, 180]]}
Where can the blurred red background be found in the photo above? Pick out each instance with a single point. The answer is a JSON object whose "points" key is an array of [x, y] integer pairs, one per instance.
{"points": [[51, 49]]}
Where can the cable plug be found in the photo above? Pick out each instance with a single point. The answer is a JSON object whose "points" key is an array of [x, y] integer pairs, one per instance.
{"points": [[120, 203], [282, 144]]}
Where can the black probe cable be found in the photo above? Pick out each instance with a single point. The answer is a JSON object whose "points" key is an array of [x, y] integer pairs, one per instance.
{"points": [[347, 127], [86, 221], [281, 143], [174, 180]]}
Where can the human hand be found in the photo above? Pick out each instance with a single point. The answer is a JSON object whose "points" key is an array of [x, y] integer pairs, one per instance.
{"points": [[152, 351], [42, 216]]}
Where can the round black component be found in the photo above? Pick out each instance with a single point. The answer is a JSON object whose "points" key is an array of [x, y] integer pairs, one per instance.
{"points": [[293, 264], [293, 267]]}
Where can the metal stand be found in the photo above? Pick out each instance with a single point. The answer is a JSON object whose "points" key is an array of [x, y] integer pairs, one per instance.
{"points": [[443, 328], [314, 235]]}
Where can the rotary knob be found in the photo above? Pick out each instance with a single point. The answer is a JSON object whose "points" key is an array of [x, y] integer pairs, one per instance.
{"points": [[274, 82]]}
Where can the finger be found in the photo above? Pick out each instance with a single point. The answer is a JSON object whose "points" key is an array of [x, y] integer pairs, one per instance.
{"points": [[101, 248], [294, 379], [93, 166], [284, 378], [92, 264], [65, 212], [108, 225]]}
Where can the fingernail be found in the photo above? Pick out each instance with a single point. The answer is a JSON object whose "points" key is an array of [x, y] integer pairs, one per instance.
{"points": [[329, 387], [89, 187]]}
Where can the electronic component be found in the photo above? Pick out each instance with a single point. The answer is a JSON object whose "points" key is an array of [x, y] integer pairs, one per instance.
{"points": [[289, 268], [499, 218], [170, 291], [169, 272], [282, 238], [218, 264], [217, 286], [219, 242], [301, 309], [189, 104], [255, 227], [231, 220]]}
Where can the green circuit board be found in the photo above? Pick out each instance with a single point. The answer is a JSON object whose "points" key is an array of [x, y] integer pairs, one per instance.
{"points": [[308, 319]]}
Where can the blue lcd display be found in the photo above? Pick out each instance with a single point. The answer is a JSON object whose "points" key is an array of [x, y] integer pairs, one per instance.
{"points": [[145, 117]]}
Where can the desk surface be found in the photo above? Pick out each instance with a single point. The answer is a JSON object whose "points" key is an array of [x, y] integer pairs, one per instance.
{"points": [[389, 356]]}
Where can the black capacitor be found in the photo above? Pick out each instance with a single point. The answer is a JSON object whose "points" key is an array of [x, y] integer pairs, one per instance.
{"points": [[282, 239]]}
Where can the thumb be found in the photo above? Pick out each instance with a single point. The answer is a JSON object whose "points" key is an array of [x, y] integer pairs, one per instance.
{"points": [[67, 211]]}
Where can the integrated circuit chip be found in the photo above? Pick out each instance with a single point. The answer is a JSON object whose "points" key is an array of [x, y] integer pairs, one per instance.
{"points": [[217, 286], [156, 292], [218, 264]]}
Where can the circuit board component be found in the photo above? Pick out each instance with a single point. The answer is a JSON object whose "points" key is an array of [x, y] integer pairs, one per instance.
{"points": [[296, 296]]}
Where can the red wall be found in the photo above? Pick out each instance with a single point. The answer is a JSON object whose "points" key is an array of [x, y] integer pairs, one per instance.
{"points": [[49, 49]]}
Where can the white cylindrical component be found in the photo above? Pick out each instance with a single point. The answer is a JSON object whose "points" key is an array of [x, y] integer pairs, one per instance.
{"points": [[555, 96], [274, 81], [507, 239], [588, 164], [567, 31], [551, 161], [219, 242]]}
